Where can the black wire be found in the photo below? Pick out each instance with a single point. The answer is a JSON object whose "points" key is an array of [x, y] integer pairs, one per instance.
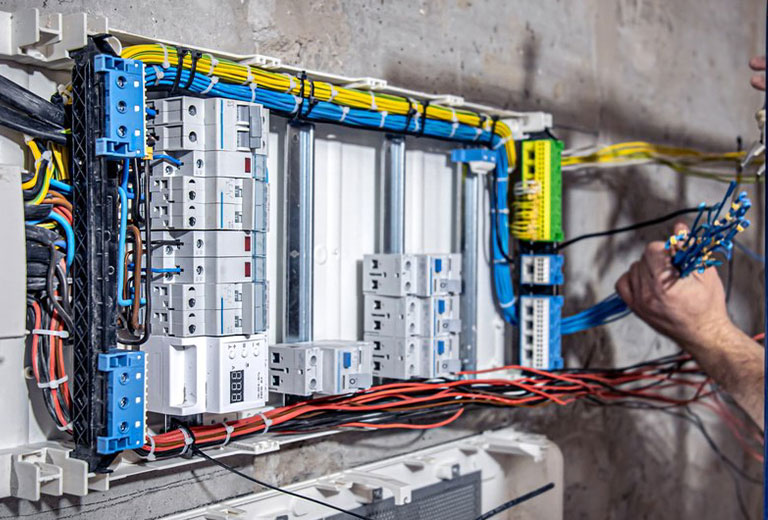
{"points": [[632, 227], [20, 122], [516, 501], [65, 316], [201, 453], [22, 99], [32, 192], [691, 417]]}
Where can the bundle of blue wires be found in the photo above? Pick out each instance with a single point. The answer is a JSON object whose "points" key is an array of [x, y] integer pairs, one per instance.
{"points": [[502, 272], [691, 252], [290, 105]]}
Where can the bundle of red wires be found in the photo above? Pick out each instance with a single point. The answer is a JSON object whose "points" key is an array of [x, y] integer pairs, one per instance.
{"points": [[671, 381]]}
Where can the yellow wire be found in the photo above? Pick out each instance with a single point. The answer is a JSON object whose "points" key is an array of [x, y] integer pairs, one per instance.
{"points": [[323, 91], [46, 184]]}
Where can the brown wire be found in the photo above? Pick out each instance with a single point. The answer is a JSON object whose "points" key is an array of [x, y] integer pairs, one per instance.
{"points": [[137, 245], [54, 197]]}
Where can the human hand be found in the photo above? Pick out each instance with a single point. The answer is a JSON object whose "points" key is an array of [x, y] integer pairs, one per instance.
{"points": [[688, 310], [758, 80]]}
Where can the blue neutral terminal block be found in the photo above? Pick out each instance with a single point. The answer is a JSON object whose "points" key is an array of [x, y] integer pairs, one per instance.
{"points": [[541, 269], [540, 317], [125, 371], [124, 132]]}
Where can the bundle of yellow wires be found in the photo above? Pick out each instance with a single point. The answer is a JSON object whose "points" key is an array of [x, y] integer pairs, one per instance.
{"points": [[236, 73], [719, 166]]}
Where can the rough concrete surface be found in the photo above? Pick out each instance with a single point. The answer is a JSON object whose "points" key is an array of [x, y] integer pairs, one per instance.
{"points": [[655, 70]]}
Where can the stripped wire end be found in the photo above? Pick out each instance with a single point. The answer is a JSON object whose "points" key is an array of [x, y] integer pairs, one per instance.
{"points": [[710, 235]]}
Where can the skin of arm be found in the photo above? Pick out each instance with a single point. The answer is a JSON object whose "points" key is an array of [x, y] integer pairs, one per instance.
{"points": [[692, 312]]}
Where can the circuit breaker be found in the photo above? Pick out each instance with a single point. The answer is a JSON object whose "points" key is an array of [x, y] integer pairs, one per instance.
{"points": [[417, 275], [320, 367], [209, 207], [412, 314]]}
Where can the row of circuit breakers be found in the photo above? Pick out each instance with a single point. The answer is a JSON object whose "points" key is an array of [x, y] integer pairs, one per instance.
{"points": [[209, 351]]}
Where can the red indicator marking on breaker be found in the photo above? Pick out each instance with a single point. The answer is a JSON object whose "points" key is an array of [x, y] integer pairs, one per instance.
{"points": [[247, 165], [247, 269], [247, 242]]}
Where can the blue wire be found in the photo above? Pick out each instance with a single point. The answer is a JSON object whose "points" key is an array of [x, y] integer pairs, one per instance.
{"points": [[164, 157], [60, 243], [60, 186], [69, 233]]}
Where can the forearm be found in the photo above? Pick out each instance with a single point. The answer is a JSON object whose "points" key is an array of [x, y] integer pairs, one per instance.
{"points": [[734, 361]]}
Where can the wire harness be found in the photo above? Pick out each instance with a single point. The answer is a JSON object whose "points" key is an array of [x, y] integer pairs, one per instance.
{"points": [[691, 251]]}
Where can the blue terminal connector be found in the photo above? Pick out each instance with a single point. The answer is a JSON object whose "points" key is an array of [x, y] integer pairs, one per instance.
{"points": [[125, 370], [541, 269], [124, 133], [540, 334]]}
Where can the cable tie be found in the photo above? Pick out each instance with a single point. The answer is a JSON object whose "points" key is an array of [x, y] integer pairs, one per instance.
{"points": [[298, 100], [214, 80], [424, 119], [507, 305], [454, 127], [214, 62], [291, 86], [189, 439], [478, 133], [253, 86], [229, 430], [334, 93], [267, 422], [166, 63], [64, 428], [344, 112], [373, 101], [454, 117], [58, 333], [53, 385], [158, 72], [383, 118], [249, 78], [502, 179], [502, 142], [151, 454]]}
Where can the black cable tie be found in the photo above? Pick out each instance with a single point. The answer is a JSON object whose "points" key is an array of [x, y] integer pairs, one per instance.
{"points": [[411, 113], [297, 111], [181, 53], [424, 118], [493, 131], [312, 101], [196, 55]]}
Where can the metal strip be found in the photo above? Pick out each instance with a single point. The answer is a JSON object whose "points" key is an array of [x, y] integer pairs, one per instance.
{"points": [[393, 207], [468, 348], [299, 206]]}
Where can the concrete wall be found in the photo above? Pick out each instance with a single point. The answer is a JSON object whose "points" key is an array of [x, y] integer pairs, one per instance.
{"points": [[615, 70]]}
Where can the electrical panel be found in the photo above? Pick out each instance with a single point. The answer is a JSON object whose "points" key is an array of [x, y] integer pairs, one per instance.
{"points": [[412, 314], [320, 367], [209, 205]]}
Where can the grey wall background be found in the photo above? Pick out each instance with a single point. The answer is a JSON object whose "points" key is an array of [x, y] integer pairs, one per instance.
{"points": [[673, 72]]}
